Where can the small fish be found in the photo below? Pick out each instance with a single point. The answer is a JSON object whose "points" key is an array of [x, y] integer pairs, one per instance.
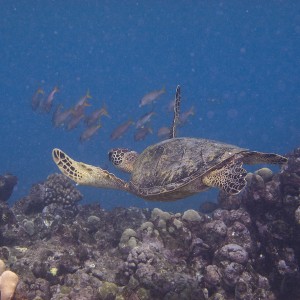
{"points": [[96, 115], [74, 121], [37, 99], [152, 96], [185, 115], [120, 130], [61, 117], [47, 105], [82, 103], [141, 133], [171, 106], [144, 119], [89, 132], [163, 132]]}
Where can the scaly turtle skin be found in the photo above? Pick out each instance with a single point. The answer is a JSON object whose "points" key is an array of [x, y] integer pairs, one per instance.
{"points": [[172, 169]]}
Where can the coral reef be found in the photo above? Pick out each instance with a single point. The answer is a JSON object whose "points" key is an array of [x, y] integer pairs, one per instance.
{"points": [[247, 248], [7, 184], [8, 282], [57, 190], [273, 202]]}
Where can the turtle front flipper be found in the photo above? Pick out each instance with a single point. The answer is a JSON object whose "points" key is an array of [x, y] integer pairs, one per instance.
{"points": [[85, 174], [230, 178]]}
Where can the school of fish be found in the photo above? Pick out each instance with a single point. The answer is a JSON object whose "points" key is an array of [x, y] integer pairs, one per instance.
{"points": [[91, 121]]}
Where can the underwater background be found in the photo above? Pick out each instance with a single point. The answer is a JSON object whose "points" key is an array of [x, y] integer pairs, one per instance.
{"points": [[237, 63]]}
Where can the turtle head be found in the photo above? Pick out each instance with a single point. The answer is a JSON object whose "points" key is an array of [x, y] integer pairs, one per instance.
{"points": [[123, 158]]}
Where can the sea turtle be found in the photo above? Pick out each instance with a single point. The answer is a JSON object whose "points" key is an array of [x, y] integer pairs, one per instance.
{"points": [[171, 169]]}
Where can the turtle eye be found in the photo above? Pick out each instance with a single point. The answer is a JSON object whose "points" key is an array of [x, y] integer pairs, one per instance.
{"points": [[116, 155]]}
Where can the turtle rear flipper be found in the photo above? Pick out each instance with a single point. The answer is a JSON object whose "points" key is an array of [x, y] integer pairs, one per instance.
{"points": [[254, 157], [230, 178], [85, 174]]}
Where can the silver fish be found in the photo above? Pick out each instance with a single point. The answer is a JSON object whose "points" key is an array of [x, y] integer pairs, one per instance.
{"points": [[37, 99], [47, 105], [185, 115], [83, 101], [141, 133], [96, 115], [163, 132], [152, 96], [120, 130], [74, 121], [89, 132], [144, 119], [61, 117]]}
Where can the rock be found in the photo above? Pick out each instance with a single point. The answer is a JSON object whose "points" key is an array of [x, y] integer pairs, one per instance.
{"points": [[108, 290], [297, 215], [128, 240], [29, 227], [158, 213], [233, 253], [265, 173], [212, 275], [191, 216], [7, 184]]}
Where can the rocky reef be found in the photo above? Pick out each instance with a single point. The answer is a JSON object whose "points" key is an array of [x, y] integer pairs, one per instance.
{"points": [[247, 248], [7, 184]]}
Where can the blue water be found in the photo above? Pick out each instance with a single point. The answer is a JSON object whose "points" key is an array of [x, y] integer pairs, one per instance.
{"points": [[237, 63]]}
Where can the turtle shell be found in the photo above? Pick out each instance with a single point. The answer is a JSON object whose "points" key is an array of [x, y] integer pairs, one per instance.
{"points": [[162, 171]]}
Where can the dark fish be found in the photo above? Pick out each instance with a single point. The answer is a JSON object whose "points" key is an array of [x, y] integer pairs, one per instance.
{"points": [[37, 99], [82, 103], [185, 115], [152, 96], [141, 133], [47, 105], [171, 105], [96, 115], [89, 132], [74, 121], [144, 119], [163, 132], [120, 130], [60, 117], [79, 111]]}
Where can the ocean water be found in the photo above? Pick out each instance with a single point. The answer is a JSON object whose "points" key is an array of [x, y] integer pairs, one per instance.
{"points": [[237, 63]]}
